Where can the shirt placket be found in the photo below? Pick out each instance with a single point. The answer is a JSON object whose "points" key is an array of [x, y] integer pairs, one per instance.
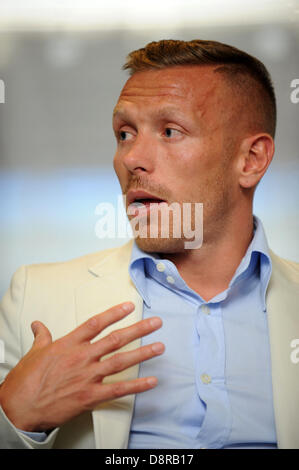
{"points": [[210, 377]]}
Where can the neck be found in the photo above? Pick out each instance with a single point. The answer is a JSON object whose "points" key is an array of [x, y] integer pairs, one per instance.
{"points": [[209, 269]]}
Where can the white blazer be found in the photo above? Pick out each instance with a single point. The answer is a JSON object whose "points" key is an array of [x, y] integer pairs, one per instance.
{"points": [[64, 295]]}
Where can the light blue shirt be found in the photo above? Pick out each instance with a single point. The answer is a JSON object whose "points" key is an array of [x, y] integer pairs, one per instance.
{"points": [[214, 379], [215, 387]]}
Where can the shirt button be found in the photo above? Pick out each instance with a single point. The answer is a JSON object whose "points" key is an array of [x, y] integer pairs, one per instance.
{"points": [[160, 267], [205, 309], [205, 378], [170, 280]]}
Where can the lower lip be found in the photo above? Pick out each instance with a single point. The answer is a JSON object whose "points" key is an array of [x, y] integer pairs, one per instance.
{"points": [[144, 208]]}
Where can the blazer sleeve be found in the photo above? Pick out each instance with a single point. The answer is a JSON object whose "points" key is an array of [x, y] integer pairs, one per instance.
{"points": [[10, 354]]}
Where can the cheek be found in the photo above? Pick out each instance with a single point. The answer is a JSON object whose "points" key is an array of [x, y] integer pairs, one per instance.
{"points": [[187, 167], [197, 172], [120, 171], [196, 156], [116, 164]]}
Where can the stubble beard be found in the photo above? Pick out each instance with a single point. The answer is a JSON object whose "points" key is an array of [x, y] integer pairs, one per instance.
{"points": [[217, 207], [217, 201], [172, 243]]}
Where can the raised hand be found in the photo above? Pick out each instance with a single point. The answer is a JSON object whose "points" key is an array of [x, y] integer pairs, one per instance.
{"points": [[56, 381]]}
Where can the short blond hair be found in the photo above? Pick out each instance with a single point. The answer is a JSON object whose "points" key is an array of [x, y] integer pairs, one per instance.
{"points": [[236, 66]]}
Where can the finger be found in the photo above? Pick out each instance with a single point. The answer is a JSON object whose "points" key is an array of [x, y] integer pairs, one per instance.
{"points": [[123, 336], [121, 361], [42, 336], [94, 325], [105, 392]]}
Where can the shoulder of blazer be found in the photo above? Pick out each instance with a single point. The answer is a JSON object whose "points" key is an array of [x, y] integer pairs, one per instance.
{"points": [[285, 268], [78, 268]]}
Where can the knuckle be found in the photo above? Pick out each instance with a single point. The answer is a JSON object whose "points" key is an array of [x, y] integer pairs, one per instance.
{"points": [[145, 326], [117, 362], [119, 389], [115, 339], [145, 354], [92, 323], [84, 397]]}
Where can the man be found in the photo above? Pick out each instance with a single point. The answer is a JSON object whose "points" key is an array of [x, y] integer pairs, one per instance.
{"points": [[194, 123]]}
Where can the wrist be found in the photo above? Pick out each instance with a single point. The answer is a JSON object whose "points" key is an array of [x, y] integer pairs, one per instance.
{"points": [[15, 417]]}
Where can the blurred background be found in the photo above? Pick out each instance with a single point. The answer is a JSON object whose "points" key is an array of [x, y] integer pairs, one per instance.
{"points": [[60, 66]]}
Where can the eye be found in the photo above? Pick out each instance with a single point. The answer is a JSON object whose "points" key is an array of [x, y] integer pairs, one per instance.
{"points": [[169, 132], [123, 135]]}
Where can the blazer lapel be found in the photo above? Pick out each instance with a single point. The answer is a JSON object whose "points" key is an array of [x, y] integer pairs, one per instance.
{"points": [[283, 320], [110, 285]]}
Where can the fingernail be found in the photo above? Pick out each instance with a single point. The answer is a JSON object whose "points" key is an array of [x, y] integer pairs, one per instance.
{"points": [[155, 321], [158, 347], [152, 381], [128, 307]]}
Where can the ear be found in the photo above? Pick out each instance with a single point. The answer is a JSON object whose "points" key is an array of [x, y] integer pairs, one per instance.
{"points": [[255, 155]]}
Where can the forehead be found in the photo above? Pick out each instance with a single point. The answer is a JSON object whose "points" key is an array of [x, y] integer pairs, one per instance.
{"points": [[193, 86]]}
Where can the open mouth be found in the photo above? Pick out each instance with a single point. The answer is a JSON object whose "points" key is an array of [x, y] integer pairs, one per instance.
{"points": [[141, 201], [138, 197], [146, 201]]}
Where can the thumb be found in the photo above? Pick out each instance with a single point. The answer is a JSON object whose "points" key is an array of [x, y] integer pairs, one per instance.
{"points": [[42, 336]]}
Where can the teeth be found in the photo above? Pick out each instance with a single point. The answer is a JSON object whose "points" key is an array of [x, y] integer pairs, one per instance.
{"points": [[137, 203], [145, 201]]}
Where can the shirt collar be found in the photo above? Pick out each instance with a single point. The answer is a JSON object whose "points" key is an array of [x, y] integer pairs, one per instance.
{"points": [[137, 270], [258, 250]]}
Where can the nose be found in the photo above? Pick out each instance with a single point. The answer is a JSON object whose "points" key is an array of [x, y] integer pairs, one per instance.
{"points": [[138, 157]]}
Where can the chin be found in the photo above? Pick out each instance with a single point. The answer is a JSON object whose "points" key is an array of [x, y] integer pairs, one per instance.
{"points": [[160, 245]]}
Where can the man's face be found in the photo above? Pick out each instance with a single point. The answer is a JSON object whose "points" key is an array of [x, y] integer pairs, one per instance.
{"points": [[173, 128]]}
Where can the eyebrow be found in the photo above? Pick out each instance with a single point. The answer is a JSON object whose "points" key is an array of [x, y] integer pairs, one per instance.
{"points": [[118, 112]]}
